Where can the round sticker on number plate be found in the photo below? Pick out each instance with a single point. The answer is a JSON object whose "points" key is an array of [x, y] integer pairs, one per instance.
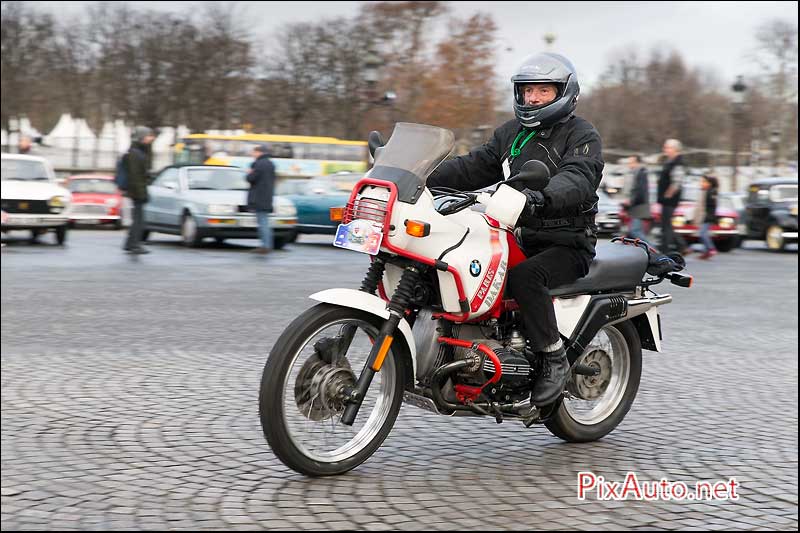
{"points": [[475, 268]]}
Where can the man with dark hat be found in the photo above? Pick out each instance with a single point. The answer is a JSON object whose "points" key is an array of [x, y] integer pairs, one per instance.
{"points": [[259, 198]]}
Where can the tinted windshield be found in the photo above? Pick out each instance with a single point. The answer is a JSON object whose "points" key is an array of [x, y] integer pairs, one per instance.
{"points": [[23, 169], [416, 148], [100, 186], [783, 193], [223, 179], [412, 153]]}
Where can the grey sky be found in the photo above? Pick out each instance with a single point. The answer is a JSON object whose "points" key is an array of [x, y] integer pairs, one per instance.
{"points": [[712, 35]]}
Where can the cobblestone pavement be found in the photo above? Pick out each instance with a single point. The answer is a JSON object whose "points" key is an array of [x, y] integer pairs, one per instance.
{"points": [[129, 401]]}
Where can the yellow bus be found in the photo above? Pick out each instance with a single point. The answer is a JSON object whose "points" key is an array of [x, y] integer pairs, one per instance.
{"points": [[292, 155]]}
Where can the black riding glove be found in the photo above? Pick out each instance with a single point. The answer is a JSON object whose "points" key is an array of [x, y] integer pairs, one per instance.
{"points": [[536, 201]]}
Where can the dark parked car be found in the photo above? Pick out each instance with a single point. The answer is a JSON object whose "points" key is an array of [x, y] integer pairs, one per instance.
{"points": [[772, 212]]}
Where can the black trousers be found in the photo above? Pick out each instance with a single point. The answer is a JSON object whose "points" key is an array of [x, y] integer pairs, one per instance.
{"points": [[670, 241], [530, 283], [134, 239]]}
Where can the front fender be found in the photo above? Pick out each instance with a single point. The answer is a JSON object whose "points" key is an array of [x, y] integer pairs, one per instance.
{"points": [[371, 304]]}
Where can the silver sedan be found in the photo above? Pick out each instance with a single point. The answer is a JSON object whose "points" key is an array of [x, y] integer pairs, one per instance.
{"points": [[202, 201]]}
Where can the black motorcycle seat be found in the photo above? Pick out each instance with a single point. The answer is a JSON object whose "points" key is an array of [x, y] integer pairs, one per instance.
{"points": [[615, 267]]}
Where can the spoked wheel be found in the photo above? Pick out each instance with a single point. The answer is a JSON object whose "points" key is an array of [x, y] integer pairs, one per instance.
{"points": [[595, 405], [304, 386]]}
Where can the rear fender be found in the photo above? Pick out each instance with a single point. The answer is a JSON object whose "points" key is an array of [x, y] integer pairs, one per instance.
{"points": [[375, 306]]}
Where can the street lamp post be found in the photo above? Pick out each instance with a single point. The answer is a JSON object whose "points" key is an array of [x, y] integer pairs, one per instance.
{"points": [[738, 89], [775, 142], [13, 127]]}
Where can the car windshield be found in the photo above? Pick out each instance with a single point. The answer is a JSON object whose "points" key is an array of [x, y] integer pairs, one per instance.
{"points": [[344, 183], [86, 185], [783, 193], [727, 202], [220, 179], [23, 169], [289, 186]]}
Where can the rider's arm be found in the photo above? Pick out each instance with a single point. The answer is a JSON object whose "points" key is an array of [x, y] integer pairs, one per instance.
{"points": [[579, 172], [479, 168]]}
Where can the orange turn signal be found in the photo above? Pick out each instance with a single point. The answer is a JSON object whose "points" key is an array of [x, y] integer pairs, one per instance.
{"points": [[337, 214], [415, 228]]}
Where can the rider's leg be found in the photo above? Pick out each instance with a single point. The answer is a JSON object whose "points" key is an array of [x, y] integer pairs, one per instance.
{"points": [[529, 283]]}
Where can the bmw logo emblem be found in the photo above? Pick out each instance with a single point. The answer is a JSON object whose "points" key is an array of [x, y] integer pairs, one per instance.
{"points": [[475, 268]]}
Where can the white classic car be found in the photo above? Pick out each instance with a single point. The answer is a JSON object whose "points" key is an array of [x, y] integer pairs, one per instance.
{"points": [[31, 198]]}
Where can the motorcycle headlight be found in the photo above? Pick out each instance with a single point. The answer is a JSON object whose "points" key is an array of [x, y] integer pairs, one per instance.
{"points": [[221, 209], [678, 221], [726, 222]]}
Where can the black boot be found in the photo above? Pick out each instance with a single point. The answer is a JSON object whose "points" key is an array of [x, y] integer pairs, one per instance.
{"points": [[553, 377]]}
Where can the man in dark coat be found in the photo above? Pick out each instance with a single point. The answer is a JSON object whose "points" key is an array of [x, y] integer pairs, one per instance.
{"points": [[137, 162], [557, 229], [259, 198], [638, 203]]}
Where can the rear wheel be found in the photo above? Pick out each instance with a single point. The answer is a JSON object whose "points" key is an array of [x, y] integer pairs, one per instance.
{"points": [[597, 404], [303, 387]]}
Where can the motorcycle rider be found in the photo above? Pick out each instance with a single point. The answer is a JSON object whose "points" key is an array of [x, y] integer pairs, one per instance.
{"points": [[556, 229]]}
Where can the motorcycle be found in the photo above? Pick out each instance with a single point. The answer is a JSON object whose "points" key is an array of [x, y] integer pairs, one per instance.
{"points": [[431, 324]]}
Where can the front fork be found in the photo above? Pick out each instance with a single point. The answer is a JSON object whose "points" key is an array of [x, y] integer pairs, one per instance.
{"points": [[397, 308]]}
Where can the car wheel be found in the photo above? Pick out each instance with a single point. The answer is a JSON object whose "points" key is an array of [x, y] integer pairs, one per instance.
{"points": [[775, 240], [145, 235], [189, 231], [118, 225], [279, 242], [61, 234], [35, 235], [219, 240]]}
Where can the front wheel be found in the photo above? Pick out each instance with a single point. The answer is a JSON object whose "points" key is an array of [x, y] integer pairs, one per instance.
{"points": [[775, 240], [303, 388], [597, 404], [190, 234]]}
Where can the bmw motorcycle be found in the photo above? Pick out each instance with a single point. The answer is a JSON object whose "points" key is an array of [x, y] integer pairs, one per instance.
{"points": [[431, 324]]}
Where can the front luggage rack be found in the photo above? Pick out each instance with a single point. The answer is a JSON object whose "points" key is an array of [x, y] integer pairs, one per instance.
{"points": [[365, 209]]}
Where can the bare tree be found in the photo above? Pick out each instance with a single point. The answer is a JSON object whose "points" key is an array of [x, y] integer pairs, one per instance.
{"points": [[25, 40], [776, 55]]}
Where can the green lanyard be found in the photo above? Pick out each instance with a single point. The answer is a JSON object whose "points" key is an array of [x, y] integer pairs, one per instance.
{"points": [[516, 151]]}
